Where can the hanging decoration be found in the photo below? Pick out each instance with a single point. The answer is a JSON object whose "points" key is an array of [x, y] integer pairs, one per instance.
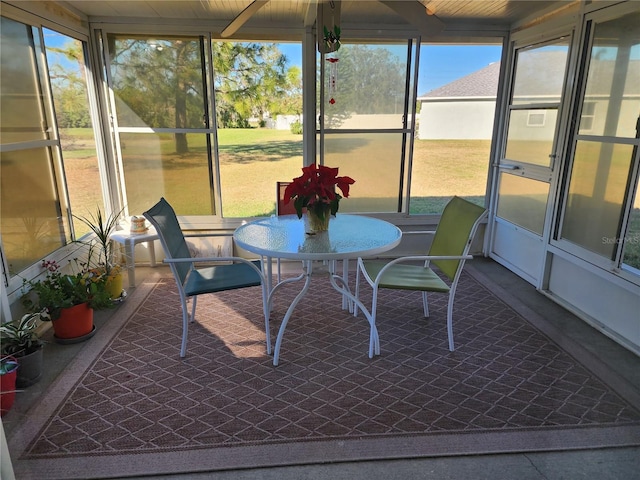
{"points": [[333, 77], [332, 39], [328, 26]]}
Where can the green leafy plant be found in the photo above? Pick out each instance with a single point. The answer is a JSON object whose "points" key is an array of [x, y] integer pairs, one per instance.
{"points": [[315, 190], [102, 227], [19, 337], [63, 290]]}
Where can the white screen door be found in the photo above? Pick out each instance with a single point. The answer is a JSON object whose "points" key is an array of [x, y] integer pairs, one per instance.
{"points": [[528, 156]]}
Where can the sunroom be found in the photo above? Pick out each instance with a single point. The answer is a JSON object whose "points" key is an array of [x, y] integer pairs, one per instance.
{"points": [[117, 104], [530, 109]]}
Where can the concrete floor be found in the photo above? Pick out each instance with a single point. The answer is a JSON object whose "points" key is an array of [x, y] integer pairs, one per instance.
{"points": [[601, 464]]}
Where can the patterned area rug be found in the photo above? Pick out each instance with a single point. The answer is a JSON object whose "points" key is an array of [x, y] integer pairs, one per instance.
{"points": [[130, 405]]}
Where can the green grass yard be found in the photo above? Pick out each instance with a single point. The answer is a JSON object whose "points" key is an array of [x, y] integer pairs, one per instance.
{"points": [[252, 160]]}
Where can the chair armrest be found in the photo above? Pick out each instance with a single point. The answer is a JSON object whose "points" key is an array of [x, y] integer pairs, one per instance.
{"points": [[420, 232], [424, 258], [427, 258], [204, 235]]}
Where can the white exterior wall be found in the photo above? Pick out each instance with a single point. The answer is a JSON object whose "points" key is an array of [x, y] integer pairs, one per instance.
{"points": [[283, 122], [455, 119]]}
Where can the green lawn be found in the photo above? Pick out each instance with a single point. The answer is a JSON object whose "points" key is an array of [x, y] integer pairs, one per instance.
{"points": [[252, 160]]}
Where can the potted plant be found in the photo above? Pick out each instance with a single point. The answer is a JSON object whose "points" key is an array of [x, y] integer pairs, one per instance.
{"points": [[68, 300], [101, 253], [20, 340], [315, 191], [8, 373]]}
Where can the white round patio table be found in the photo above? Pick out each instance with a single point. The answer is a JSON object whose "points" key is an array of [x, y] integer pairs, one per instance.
{"points": [[348, 237]]}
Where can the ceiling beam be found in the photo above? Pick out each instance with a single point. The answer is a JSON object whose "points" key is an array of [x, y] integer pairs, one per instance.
{"points": [[310, 14], [242, 18], [415, 13]]}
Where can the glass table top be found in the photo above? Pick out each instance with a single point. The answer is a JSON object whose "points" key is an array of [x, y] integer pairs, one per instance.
{"points": [[349, 236]]}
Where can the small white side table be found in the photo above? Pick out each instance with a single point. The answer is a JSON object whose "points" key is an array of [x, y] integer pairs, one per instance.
{"points": [[130, 240]]}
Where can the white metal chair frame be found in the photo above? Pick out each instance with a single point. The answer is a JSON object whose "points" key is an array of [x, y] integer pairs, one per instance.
{"points": [[419, 273]]}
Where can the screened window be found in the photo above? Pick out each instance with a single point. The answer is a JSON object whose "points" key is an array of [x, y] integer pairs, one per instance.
{"points": [[601, 210], [364, 131], [455, 118], [50, 168], [210, 147], [32, 202]]}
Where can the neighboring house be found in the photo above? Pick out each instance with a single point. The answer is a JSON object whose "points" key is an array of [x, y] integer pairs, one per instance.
{"points": [[462, 109]]}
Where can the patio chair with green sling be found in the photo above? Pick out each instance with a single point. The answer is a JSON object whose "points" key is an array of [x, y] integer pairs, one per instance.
{"points": [[229, 272], [448, 252]]}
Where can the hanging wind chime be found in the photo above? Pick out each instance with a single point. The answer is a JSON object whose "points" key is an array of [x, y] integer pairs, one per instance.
{"points": [[329, 42], [333, 77]]}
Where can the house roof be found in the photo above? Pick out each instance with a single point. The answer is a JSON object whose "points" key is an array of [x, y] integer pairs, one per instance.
{"points": [[533, 68], [481, 83]]}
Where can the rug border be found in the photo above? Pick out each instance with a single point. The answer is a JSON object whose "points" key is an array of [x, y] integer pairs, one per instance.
{"points": [[328, 451], [314, 451]]}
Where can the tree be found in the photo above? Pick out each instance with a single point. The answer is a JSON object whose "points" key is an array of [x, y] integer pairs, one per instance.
{"points": [[68, 85], [250, 79], [370, 80], [160, 82]]}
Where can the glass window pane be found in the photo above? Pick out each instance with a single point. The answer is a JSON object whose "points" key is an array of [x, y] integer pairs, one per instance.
{"points": [[371, 160], [596, 194], [30, 218], [612, 81], [540, 73], [529, 139], [455, 116], [21, 116], [365, 86], [258, 93], [444, 168], [523, 201], [252, 160], [153, 168], [632, 238], [157, 82], [65, 58]]}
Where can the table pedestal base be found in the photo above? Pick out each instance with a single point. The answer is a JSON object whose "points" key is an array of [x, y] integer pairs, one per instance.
{"points": [[340, 285]]}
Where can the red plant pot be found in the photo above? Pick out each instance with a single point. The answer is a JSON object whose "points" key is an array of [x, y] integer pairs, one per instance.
{"points": [[8, 388], [74, 322]]}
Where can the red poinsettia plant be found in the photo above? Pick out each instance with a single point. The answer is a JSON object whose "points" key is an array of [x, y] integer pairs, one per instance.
{"points": [[316, 190]]}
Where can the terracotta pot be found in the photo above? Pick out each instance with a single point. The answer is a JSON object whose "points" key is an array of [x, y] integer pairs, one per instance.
{"points": [[74, 322], [8, 387]]}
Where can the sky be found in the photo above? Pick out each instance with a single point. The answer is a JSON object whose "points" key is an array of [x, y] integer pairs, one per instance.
{"points": [[439, 65]]}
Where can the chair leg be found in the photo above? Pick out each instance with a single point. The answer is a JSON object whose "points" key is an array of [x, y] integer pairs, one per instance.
{"points": [[425, 304], [185, 326], [193, 308], [452, 293]]}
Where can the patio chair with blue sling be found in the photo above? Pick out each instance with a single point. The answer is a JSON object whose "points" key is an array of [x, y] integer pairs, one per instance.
{"points": [[229, 272], [448, 252]]}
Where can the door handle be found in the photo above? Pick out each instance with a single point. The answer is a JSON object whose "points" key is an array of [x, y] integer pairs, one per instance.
{"points": [[506, 167]]}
